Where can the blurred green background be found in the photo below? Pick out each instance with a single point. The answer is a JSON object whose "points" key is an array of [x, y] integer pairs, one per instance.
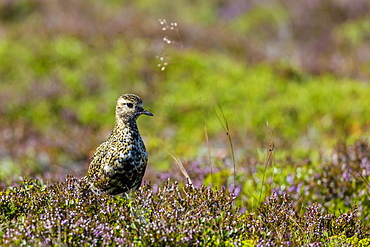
{"points": [[297, 69]]}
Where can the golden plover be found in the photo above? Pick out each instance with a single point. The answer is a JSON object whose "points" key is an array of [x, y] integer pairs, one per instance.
{"points": [[119, 163]]}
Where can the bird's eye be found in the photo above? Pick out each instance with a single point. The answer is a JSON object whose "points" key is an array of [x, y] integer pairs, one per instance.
{"points": [[129, 105]]}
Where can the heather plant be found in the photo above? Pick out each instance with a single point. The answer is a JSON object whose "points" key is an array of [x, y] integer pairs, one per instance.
{"points": [[337, 183], [66, 213], [338, 180]]}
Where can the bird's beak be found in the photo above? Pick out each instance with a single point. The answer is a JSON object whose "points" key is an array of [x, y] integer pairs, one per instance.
{"points": [[145, 112]]}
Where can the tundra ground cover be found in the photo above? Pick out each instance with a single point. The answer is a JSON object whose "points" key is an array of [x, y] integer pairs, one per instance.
{"points": [[294, 93]]}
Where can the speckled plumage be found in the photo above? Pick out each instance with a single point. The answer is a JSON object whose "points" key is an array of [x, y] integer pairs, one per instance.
{"points": [[119, 163]]}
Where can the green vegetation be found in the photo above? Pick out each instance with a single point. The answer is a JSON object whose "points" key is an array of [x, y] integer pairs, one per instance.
{"points": [[294, 91]]}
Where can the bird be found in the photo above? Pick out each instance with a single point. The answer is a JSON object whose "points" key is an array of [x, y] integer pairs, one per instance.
{"points": [[118, 164]]}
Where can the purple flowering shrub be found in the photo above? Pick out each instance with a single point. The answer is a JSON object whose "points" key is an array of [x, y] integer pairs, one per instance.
{"points": [[68, 214]]}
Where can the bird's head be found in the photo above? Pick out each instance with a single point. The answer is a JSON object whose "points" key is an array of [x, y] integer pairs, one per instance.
{"points": [[129, 107]]}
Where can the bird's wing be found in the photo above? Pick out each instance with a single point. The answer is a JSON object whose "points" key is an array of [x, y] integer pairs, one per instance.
{"points": [[99, 156]]}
